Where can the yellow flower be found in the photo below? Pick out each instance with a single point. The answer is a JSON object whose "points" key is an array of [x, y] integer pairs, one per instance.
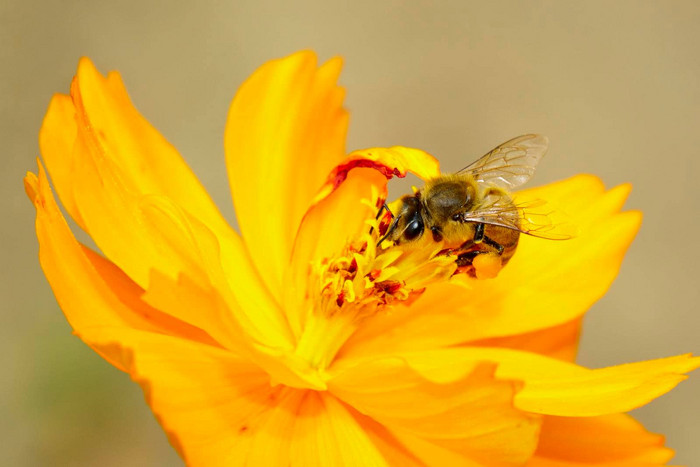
{"points": [[298, 341]]}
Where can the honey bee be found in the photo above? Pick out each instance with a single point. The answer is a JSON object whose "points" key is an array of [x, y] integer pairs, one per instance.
{"points": [[472, 211]]}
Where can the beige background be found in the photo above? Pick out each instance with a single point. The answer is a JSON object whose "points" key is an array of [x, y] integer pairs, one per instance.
{"points": [[615, 85]]}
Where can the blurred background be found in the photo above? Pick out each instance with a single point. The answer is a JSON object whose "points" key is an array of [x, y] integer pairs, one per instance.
{"points": [[615, 86]]}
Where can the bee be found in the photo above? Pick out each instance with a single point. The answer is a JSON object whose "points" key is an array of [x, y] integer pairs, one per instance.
{"points": [[472, 211]]}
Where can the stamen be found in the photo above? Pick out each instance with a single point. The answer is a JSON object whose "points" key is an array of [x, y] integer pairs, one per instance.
{"points": [[365, 280]]}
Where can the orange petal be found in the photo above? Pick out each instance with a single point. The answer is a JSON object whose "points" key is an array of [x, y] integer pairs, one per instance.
{"points": [[219, 410], [114, 219], [533, 292], [554, 387], [285, 131], [340, 218], [152, 236], [231, 316], [392, 449], [91, 290], [432, 453], [465, 412], [94, 293], [608, 439], [325, 230], [394, 161], [56, 141], [144, 221], [212, 405], [594, 392], [538, 461], [560, 342], [326, 433], [123, 136], [340, 213]]}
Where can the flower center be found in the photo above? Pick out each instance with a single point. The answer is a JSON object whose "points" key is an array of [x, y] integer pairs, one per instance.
{"points": [[362, 281]]}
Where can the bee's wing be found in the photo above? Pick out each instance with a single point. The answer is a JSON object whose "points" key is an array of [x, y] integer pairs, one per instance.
{"points": [[511, 164], [534, 218]]}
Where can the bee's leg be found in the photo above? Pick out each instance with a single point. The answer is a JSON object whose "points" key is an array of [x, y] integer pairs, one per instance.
{"points": [[493, 244], [467, 263], [381, 211], [478, 233], [390, 230], [465, 259], [464, 246], [437, 234], [384, 206]]}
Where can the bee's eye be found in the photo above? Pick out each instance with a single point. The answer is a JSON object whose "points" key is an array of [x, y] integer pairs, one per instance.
{"points": [[456, 217], [413, 229]]}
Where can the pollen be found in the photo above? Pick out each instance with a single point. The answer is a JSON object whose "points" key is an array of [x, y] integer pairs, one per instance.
{"points": [[366, 279]]}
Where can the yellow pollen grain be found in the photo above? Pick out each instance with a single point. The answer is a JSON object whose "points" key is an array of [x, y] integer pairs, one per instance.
{"points": [[349, 291]]}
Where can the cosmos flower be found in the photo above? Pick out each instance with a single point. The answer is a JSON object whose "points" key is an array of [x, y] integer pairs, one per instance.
{"points": [[299, 341]]}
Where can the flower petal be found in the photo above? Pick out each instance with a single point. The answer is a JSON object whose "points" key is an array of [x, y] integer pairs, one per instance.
{"points": [[220, 410], [537, 461], [560, 342], [392, 449], [285, 131], [554, 387], [547, 283], [159, 239], [326, 433], [177, 234], [464, 411], [394, 161], [91, 290], [340, 212], [340, 218], [110, 165], [586, 392], [432, 453], [608, 439], [325, 230], [93, 293], [56, 141], [125, 137], [212, 405]]}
